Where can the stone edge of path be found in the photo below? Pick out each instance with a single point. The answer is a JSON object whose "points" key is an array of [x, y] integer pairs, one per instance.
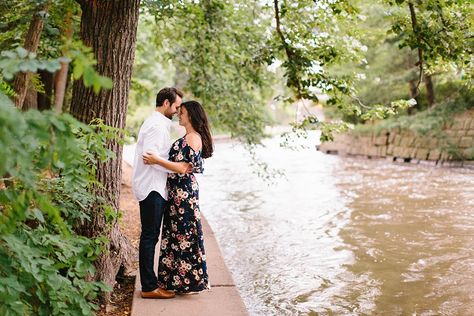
{"points": [[221, 300]]}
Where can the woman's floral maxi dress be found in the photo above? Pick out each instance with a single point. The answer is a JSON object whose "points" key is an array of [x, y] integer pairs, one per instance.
{"points": [[182, 267]]}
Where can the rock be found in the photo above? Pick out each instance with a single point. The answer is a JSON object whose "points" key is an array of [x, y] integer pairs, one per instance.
{"points": [[467, 123], [397, 140], [422, 154], [381, 140], [466, 142], [434, 154], [458, 124], [389, 151], [407, 141]]}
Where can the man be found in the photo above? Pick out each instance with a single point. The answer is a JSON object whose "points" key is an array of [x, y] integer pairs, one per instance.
{"points": [[149, 185]]}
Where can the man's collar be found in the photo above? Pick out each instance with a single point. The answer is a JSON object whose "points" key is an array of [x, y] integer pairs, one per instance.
{"points": [[162, 116]]}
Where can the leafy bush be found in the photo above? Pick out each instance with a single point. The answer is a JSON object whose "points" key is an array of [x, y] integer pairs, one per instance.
{"points": [[48, 167], [428, 122]]}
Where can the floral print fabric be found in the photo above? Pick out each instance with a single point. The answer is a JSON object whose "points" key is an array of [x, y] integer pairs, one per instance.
{"points": [[182, 267]]}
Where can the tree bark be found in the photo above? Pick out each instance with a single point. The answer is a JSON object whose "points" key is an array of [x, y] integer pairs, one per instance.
{"points": [[61, 76], [60, 86], [412, 84], [109, 27], [413, 95], [430, 94], [413, 89], [32, 39], [44, 99], [31, 98]]}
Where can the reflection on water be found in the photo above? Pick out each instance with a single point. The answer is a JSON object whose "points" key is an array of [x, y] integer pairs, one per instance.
{"points": [[343, 236]]}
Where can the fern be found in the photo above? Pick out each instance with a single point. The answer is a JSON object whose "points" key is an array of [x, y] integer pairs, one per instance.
{"points": [[6, 89]]}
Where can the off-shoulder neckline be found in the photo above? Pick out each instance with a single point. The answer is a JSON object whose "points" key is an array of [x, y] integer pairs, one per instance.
{"points": [[196, 152]]}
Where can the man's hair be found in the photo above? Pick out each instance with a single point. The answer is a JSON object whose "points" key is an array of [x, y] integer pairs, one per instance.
{"points": [[167, 94]]}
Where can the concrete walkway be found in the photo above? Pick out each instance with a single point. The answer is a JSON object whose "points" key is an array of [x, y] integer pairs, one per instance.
{"points": [[222, 299]]}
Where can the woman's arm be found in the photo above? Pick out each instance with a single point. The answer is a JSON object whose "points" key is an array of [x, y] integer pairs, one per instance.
{"points": [[178, 167]]}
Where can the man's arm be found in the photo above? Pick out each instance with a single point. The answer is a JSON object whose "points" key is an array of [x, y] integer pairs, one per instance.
{"points": [[156, 142]]}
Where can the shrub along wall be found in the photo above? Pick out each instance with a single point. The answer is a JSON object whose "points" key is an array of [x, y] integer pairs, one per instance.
{"points": [[454, 145]]}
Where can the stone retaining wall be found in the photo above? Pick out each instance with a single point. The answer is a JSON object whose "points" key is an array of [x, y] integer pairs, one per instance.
{"points": [[454, 146]]}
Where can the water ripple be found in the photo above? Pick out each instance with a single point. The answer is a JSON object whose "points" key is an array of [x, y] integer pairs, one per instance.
{"points": [[343, 236]]}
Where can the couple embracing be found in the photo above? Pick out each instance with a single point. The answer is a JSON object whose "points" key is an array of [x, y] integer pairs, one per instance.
{"points": [[166, 188]]}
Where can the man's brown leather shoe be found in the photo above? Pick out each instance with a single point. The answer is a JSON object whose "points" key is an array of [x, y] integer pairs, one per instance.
{"points": [[158, 293]]}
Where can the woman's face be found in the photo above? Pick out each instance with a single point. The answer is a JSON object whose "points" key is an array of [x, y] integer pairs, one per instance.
{"points": [[183, 116]]}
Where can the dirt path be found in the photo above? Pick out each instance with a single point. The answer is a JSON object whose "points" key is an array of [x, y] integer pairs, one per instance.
{"points": [[122, 295]]}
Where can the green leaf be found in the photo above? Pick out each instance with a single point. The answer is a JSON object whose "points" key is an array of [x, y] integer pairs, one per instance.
{"points": [[4, 100], [38, 215], [77, 70], [22, 53]]}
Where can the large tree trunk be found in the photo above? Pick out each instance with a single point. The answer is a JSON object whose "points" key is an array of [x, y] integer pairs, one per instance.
{"points": [[109, 27], [32, 39]]}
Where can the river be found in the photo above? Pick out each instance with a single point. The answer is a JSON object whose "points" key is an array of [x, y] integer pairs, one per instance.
{"points": [[342, 236]]}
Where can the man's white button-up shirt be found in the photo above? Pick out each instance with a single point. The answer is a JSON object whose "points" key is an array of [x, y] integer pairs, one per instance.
{"points": [[154, 136]]}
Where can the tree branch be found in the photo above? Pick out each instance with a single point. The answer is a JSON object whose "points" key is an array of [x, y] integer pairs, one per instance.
{"points": [[289, 52], [419, 39]]}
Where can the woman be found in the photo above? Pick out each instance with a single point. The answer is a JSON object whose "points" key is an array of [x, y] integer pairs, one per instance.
{"points": [[182, 266]]}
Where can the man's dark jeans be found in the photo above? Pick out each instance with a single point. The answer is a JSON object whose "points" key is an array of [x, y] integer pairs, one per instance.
{"points": [[151, 214]]}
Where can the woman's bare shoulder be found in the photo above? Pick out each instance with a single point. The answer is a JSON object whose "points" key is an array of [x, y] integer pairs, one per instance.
{"points": [[194, 140]]}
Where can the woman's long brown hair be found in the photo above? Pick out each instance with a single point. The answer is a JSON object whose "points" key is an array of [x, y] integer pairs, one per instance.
{"points": [[200, 123]]}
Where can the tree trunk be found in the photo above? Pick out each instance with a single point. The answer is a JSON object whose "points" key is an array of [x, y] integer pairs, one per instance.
{"points": [[414, 95], [31, 98], [32, 39], [44, 99], [413, 89], [61, 76], [109, 27], [412, 84], [430, 94], [60, 86]]}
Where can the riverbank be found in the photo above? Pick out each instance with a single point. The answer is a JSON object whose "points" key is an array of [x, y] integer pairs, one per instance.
{"points": [[222, 299], [452, 145]]}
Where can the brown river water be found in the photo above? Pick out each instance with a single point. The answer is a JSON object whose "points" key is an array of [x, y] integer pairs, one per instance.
{"points": [[342, 236]]}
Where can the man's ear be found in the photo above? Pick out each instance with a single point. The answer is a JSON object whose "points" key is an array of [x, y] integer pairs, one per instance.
{"points": [[166, 103]]}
